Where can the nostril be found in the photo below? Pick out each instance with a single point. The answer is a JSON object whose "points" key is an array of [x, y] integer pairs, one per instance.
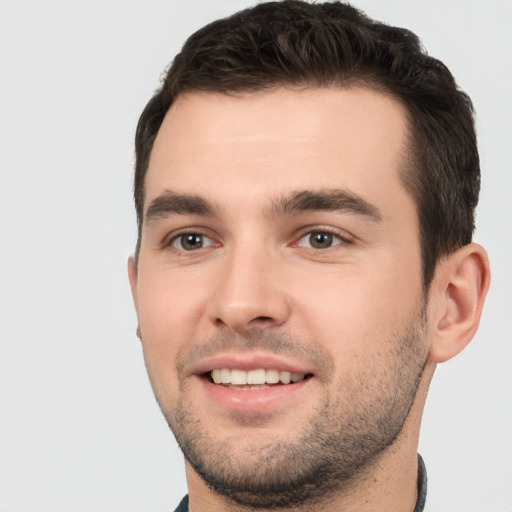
{"points": [[254, 324], [260, 321], [219, 322]]}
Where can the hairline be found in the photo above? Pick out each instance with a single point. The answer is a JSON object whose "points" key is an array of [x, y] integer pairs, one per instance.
{"points": [[353, 82], [409, 163]]}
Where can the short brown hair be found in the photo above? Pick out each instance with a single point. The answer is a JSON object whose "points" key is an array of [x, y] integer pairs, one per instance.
{"points": [[294, 43]]}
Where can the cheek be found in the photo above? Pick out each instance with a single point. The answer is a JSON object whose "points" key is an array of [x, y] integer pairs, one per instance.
{"points": [[158, 312], [164, 313], [167, 303], [351, 312]]}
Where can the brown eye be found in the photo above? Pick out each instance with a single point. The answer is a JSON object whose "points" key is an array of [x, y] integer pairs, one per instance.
{"points": [[191, 242], [320, 240]]}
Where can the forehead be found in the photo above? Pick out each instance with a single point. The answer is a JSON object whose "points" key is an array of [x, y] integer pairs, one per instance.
{"points": [[269, 142]]}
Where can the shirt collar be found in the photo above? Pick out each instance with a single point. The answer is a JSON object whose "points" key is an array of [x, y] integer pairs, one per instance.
{"points": [[422, 485]]}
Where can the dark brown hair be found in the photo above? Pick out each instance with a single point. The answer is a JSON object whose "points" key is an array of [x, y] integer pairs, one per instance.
{"points": [[298, 44]]}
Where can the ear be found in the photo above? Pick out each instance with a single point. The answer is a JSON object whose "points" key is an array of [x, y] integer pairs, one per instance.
{"points": [[132, 276], [458, 292]]}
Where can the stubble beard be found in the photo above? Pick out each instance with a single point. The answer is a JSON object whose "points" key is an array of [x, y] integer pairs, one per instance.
{"points": [[345, 434]]}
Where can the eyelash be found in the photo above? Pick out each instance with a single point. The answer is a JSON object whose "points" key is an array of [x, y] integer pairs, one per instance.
{"points": [[169, 242], [344, 239]]}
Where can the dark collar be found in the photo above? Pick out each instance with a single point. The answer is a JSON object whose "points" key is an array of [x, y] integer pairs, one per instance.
{"points": [[422, 485]]}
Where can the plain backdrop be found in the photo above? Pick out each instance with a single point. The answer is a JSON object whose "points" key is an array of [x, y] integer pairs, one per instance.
{"points": [[80, 430]]}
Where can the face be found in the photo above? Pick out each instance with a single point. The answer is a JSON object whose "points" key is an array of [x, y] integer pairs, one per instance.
{"points": [[278, 287]]}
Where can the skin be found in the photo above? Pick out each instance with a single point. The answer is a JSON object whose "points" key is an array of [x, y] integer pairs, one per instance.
{"points": [[257, 288]]}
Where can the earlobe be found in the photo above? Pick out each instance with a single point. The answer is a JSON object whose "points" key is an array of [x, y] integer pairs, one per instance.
{"points": [[132, 276], [461, 284]]}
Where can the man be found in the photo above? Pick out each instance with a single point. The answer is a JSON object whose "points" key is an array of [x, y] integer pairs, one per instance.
{"points": [[305, 185]]}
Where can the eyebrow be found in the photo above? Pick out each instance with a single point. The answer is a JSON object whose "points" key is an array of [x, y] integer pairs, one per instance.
{"points": [[171, 203], [325, 200]]}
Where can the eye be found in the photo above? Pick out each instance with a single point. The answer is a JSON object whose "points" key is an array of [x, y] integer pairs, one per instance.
{"points": [[191, 242], [320, 240]]}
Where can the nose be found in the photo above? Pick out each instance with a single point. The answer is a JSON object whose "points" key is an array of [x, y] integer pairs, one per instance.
{"points": [[250, 293]]}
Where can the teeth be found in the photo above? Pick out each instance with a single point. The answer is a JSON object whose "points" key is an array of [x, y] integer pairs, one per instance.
{"points": [[216, 376], [238, 377], [272, 376], [225, 376], [253, 379], [256, 377], [285, 377], [246, 387]]}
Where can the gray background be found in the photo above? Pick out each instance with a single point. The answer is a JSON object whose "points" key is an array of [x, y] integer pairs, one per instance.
{"points": [[79, 427]]}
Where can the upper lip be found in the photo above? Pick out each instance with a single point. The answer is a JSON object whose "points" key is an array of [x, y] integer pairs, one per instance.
{"points": [[247, 362]]}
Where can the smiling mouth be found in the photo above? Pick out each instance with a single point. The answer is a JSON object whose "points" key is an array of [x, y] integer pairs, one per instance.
{"points": [[260, 378]]}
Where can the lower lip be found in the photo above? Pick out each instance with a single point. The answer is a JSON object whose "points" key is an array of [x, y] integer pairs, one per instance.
{"points": [[255, 400]]}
